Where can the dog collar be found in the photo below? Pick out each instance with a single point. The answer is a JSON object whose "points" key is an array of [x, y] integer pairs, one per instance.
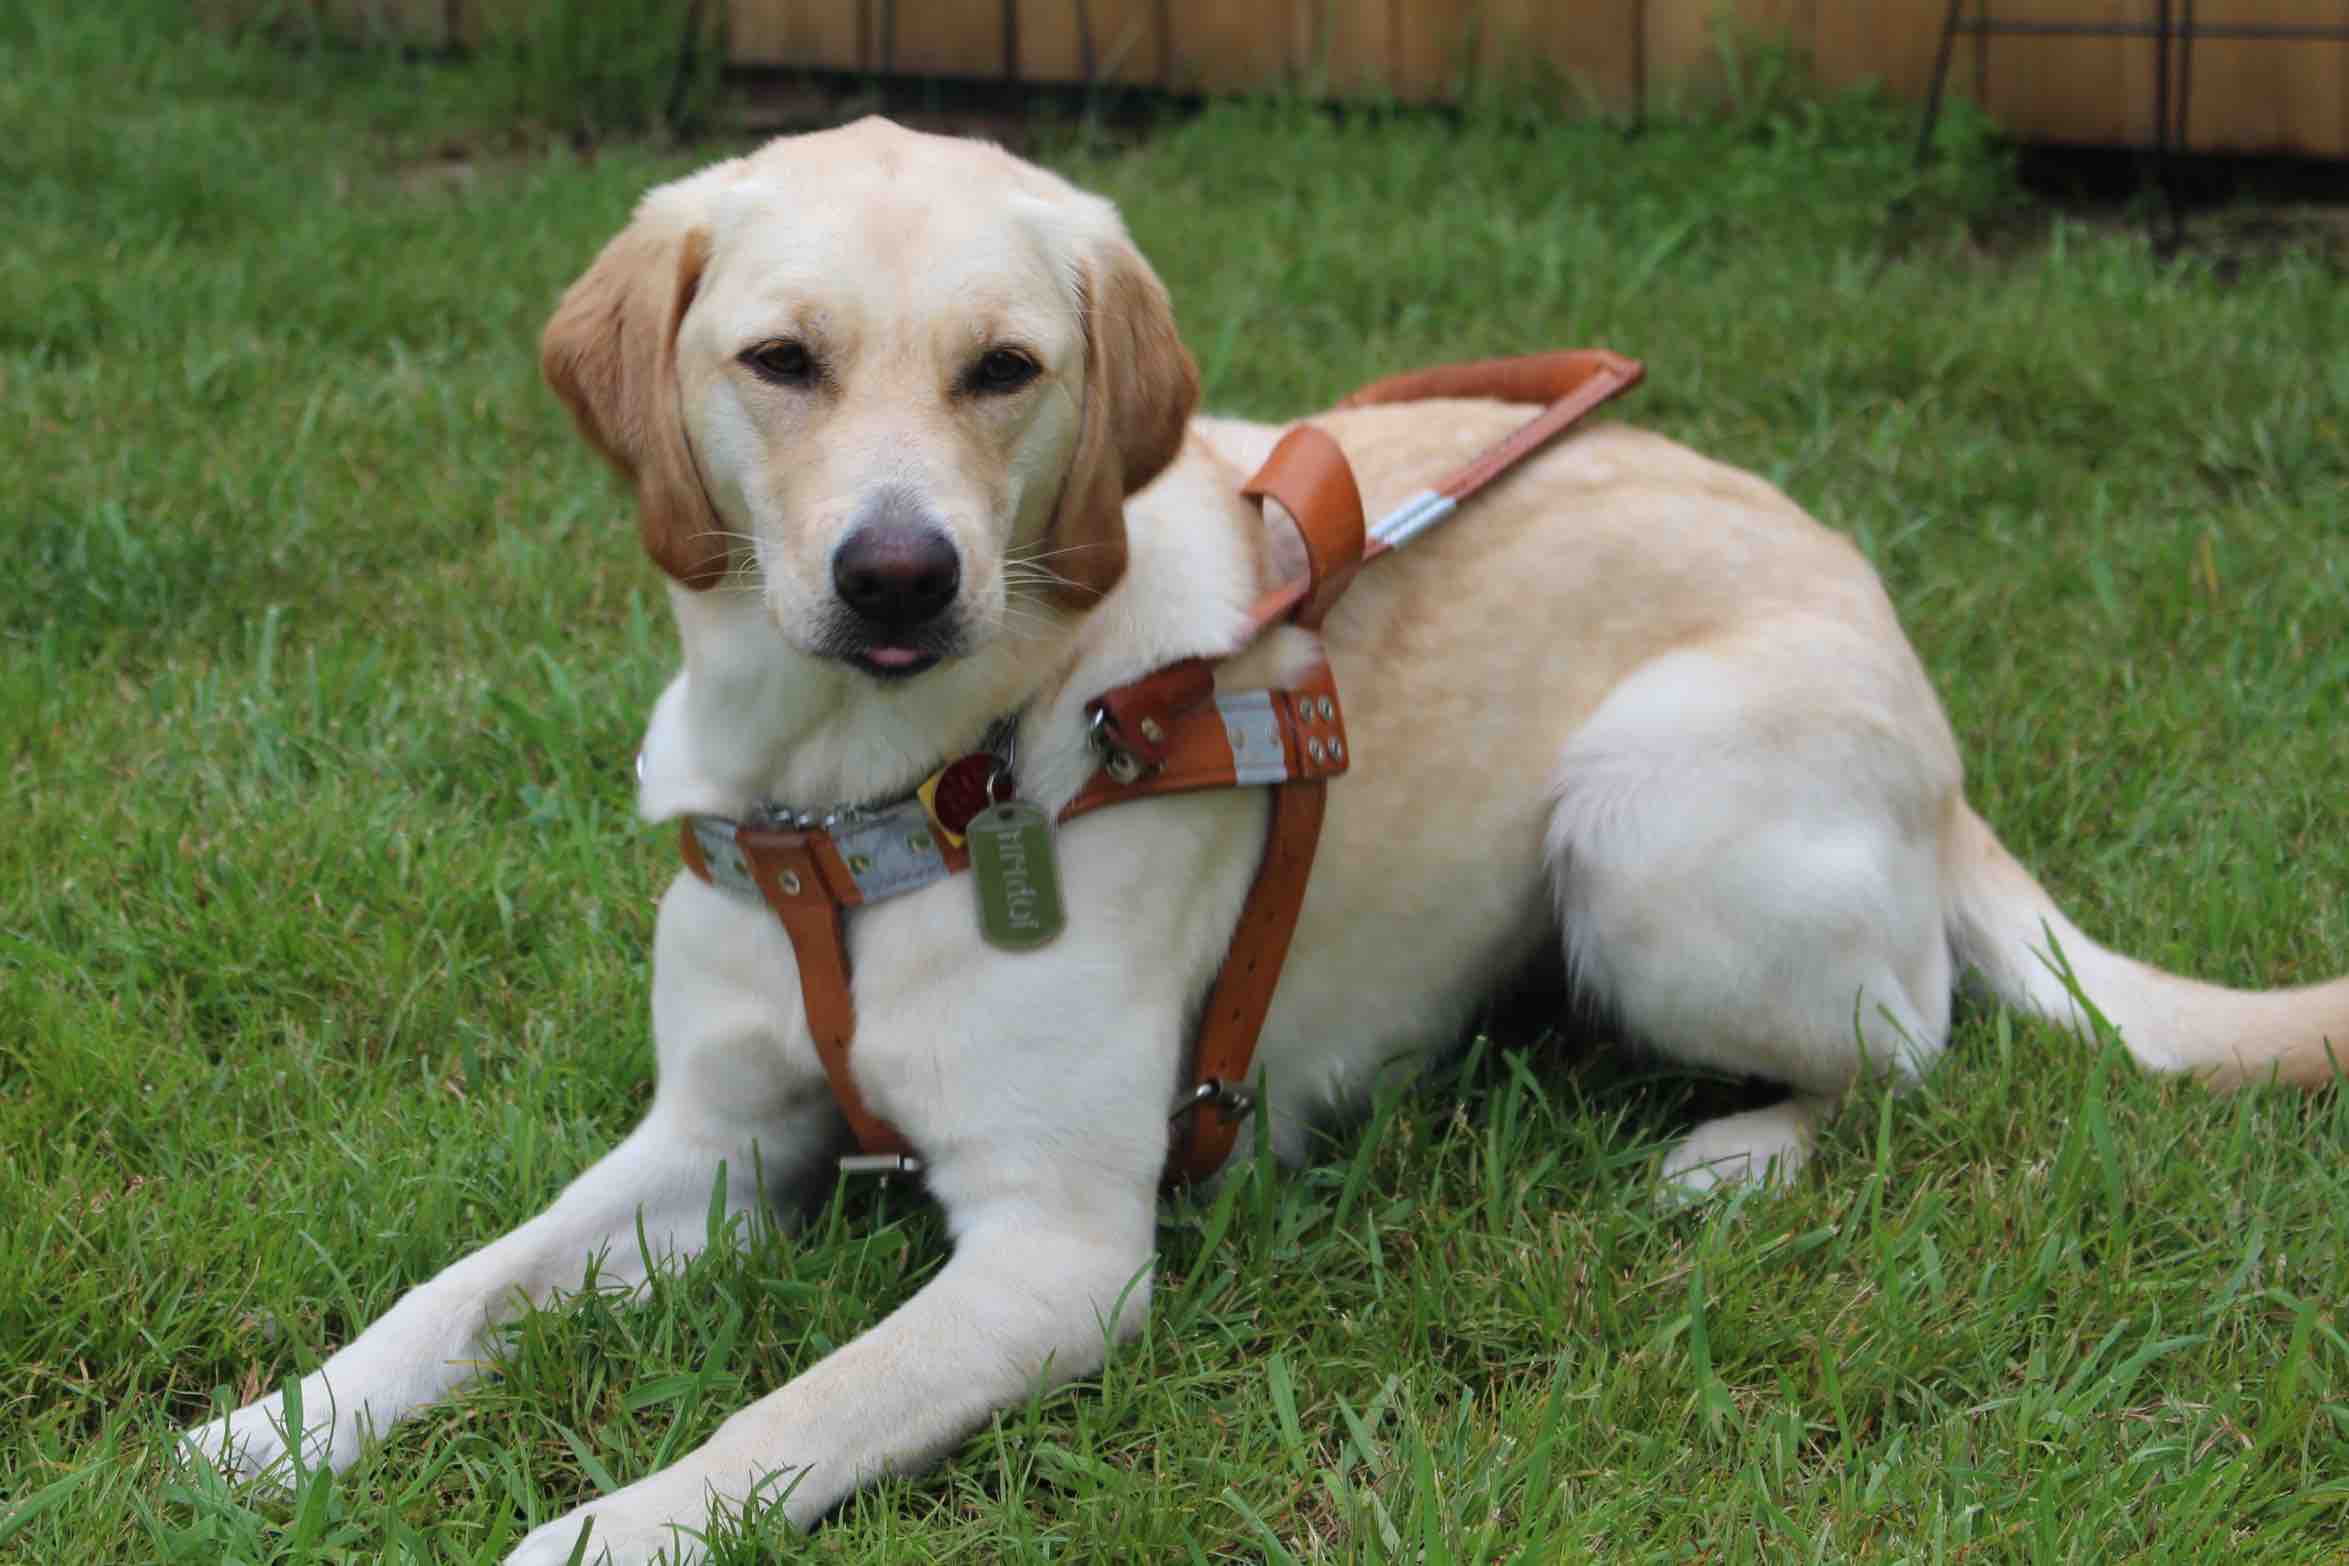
{"points": [[882, 848]]}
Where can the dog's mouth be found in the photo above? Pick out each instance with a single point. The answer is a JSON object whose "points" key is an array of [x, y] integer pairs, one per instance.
{"points": [[891, 653], [892, 662]]}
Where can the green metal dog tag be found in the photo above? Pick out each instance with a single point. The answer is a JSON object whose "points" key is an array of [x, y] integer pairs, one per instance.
{"points": [[1018, 875]]}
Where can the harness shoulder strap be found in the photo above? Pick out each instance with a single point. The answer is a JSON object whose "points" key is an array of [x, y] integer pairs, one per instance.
{"points": [[801, 877], [1233, 1020], [1312, 480]]}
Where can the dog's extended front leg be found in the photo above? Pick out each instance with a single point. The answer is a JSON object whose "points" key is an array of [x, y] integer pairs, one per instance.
{"points": [[1033, 1296], [730, 1095], [653, 1189], [1043, 1142]]}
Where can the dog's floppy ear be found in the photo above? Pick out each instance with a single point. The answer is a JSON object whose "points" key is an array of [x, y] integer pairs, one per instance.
{"points": [[610, 352], [1140, 388]]}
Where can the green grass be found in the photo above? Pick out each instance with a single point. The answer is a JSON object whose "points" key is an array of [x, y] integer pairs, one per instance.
{"points": [[323, 916]]}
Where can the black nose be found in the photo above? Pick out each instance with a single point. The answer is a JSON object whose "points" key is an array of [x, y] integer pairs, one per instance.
{"points": [[897, 574]]}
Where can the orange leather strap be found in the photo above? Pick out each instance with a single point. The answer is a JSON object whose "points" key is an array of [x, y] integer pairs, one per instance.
{"points": [[1137, 718], [1572, 381], [1530, 377], [809, 886], [1233, 1020], [1312, 480], [1249, 738], [1223, 1061]]}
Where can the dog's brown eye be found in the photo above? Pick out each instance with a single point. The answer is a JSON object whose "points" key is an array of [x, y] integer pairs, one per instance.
{"points": [[1002, 370], [785, 363]]}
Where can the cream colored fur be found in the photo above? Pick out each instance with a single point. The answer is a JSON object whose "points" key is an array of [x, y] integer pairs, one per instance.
{"points": [[1630, 699]]}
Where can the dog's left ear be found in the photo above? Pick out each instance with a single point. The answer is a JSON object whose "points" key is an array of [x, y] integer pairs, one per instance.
{"points": [[1140, 388], [610, 352]]}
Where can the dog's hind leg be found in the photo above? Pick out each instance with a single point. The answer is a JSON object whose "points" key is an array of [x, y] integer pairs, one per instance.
{"points": [[1744, 857], [728, 1096]]}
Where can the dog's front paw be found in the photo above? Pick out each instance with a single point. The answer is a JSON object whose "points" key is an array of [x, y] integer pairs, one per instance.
{"points": [[662, 1517], [613, 1538], [255, 1444], [1769, 1145]]}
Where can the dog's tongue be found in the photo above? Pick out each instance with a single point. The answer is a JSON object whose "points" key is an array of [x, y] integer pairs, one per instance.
{"points": [[891, 657]]}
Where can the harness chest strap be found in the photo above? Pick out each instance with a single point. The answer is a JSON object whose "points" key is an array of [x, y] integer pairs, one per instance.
{"points": [[1168, 732]]}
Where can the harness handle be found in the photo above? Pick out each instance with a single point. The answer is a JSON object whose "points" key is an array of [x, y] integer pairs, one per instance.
{"points": [[1525, 377], [1314, 483], [1571, 381]]}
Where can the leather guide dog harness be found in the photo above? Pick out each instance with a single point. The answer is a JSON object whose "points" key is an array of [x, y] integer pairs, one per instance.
{"points": [[1168, 732]]}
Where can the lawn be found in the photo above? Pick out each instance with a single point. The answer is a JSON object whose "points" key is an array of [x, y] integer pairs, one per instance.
{"points": [[324, 916]]}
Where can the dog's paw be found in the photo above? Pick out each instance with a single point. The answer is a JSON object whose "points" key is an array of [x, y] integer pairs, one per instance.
{"points": [[611, 1539], [662, 1517], [1766, 1145], [255, 1444]]}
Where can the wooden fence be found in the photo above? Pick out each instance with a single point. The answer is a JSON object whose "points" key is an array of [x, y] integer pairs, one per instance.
{"points": [[1618, 55]]}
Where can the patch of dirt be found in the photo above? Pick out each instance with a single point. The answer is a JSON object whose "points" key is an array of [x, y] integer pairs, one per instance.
{"points": [[457, 166], [448, 170], [2239, 212]]}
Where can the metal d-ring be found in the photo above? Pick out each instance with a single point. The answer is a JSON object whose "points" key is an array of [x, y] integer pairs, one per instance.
{"points": [[1122, 765]]}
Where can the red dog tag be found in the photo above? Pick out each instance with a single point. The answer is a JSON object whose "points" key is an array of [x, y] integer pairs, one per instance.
{"points": [[966, 786]]}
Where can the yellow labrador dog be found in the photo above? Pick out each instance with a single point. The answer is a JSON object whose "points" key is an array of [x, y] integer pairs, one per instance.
{"points": [[911, 429]]}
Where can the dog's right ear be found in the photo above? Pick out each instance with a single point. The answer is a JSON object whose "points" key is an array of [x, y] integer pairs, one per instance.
{"points": [[610, 352]]}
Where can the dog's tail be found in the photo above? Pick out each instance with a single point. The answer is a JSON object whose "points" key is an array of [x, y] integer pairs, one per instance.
{"points": [[2004, 925]]}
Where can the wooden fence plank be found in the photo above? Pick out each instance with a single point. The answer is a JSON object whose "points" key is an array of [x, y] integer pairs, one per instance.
{"points": [[1856, 40], [1120, 41], [831, 35], [1434, 42], [945, 38], [1594, 44], [2086, 91], [1682, 52], [1352, 47], [1240, 45], [2266, 95]]}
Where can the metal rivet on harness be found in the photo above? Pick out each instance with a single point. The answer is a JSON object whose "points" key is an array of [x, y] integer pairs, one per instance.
{"points": [[1231, 1098], [790, 883], [1122, 765], [1313, 749]]}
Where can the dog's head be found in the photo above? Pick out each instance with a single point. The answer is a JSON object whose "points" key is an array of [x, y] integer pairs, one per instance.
{"points": [[898, 381]]}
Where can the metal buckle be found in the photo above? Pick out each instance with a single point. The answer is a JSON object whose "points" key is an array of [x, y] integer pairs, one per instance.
{"points": [[1122, 765], [1000, 741], [882, 1164], [1232, 1098]]}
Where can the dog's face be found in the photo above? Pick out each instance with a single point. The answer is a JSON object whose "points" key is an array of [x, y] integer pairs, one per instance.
{"points": [[895, 381]]}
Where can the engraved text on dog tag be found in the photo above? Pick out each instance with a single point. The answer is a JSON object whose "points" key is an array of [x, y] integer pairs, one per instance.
{"points": [[1017, 872]]}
